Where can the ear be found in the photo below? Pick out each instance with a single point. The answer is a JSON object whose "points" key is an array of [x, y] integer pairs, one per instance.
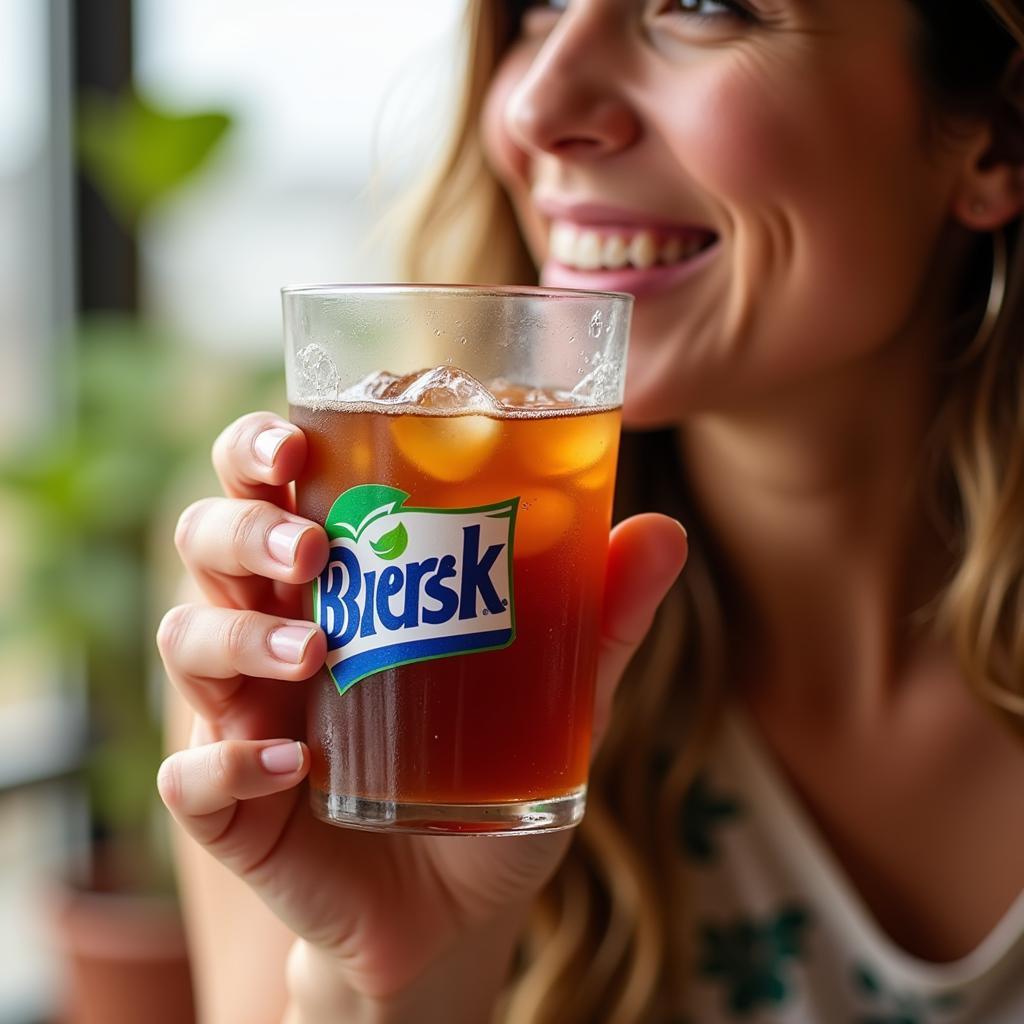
{"points": [[990, 191]]}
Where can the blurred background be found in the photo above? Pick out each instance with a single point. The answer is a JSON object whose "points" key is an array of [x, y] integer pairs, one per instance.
{"points": [[164, 169]]}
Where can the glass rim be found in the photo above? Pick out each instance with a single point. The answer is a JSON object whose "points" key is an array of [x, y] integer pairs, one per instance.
{"points": [[494, 291]]}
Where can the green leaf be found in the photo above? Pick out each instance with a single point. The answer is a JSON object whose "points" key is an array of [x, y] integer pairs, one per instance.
{"points": [[136, 154], [360, 506], [391, 544]]}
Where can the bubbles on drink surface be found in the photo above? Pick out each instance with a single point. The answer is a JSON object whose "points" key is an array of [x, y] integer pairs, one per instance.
{"points": [[451, 391], [448, 425]]}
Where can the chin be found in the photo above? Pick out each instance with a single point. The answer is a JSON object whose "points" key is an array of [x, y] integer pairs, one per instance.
{"points": [[654, 407], [658, 390]]}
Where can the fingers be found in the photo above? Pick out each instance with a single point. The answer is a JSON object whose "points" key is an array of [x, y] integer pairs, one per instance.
{"points": [[645, 555], [236, 538], [202, 786], [258, 456], [208, 652]]}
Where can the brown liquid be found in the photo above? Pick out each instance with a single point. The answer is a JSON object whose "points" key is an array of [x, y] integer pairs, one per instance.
{"points": [[490, 727]]}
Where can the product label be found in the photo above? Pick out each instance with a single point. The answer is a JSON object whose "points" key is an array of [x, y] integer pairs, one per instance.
{"points": [[413, 584]]}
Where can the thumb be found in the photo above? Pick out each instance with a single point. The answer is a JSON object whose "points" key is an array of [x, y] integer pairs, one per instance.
{"points": [[645, 555]]}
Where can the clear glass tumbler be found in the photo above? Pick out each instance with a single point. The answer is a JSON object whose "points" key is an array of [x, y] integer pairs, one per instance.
{"points": [[461, 454]]}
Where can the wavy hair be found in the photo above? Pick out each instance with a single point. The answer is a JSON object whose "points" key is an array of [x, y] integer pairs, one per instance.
{"points": [[606, 943]]}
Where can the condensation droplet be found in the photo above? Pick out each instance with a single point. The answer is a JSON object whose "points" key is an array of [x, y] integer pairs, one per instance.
{"points": [[462, 340]]}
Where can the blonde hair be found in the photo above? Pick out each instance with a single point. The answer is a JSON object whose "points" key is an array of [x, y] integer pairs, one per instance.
{"points": [[607, 942]]}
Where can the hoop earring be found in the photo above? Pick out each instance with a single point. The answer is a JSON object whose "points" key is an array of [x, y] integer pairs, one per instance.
{"points": [[996, 296]]}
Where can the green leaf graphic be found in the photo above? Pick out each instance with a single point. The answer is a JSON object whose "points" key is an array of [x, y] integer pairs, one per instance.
{"points": [[391, 544], [360, 506]]}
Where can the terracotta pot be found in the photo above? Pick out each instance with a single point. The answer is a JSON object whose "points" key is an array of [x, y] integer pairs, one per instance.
{"points": [[126, 960]]}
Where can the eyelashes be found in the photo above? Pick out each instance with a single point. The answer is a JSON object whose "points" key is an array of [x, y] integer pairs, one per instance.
{"points": [[695, 14]]}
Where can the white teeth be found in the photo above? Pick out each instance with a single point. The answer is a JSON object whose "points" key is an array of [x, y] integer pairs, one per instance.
{"points": [[615, 255], [563, 243], [587, 249], [643, 250]]}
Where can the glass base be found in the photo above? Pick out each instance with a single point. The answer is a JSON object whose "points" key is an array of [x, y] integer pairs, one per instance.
{"points": [[503, 819]]}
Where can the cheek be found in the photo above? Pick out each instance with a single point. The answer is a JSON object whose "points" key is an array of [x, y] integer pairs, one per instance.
{"points": [[821, 178], [507, 161], [726, 135], [830, 207], [757, 132]]}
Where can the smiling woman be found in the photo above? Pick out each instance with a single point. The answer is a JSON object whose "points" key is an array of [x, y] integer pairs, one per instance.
{"points": [[805, 805]]}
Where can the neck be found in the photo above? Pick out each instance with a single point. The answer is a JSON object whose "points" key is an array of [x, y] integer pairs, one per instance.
{"points": [[819, 511]]}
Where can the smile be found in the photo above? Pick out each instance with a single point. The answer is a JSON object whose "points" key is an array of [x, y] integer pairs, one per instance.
{"points": [[589, 248]]}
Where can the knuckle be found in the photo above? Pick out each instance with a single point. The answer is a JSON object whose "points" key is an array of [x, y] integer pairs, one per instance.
{"points": [[173, 629], [224, 767], [248, 524], [242, 632], [228, 441]]}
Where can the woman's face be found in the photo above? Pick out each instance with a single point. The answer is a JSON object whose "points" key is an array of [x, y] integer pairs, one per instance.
{"points": [[758, 173]]}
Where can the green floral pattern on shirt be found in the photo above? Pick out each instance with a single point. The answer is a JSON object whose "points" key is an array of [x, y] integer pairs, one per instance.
{"points": [[892, 1007], [704, 811], [751, 958]]}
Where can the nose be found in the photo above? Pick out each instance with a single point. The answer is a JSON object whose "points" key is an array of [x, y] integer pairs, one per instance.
{"points": [[569, 102]]}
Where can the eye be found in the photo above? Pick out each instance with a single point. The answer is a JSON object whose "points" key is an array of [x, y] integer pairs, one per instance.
{"points": [[709, 10]]}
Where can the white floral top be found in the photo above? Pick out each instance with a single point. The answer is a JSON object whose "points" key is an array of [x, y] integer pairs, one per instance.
{"points": [[783, 936]]}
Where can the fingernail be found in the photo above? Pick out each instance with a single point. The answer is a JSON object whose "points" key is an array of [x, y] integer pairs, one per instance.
{"points": [[283, 541], [282, 758], [268, 443], [289, 643]]}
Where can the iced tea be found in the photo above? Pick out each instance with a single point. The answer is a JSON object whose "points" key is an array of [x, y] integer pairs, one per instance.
{"points": [[509, 719]]}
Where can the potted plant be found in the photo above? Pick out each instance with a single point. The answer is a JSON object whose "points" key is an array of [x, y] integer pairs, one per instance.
{"points": [[89, 494]]}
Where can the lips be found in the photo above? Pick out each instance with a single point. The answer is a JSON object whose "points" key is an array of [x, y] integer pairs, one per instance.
{"points": [[599, 246]]}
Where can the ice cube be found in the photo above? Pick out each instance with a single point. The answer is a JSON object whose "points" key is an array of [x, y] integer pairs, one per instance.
{"points": [[444, 388], [544, 516], [525, 396], [371, 388], [448, 448], [565, 445]]}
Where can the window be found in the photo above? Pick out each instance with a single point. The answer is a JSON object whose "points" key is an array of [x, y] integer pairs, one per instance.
{"points": [[309, 84], [36, 301]]}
